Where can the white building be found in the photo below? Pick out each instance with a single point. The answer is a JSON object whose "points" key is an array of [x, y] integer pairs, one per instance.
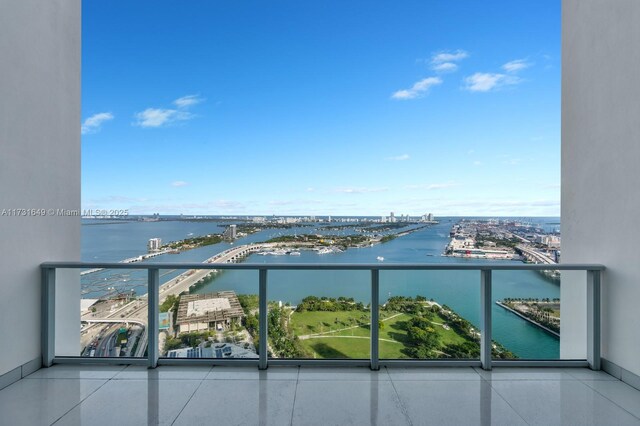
{"points": [[154, 244], [231, 232]]}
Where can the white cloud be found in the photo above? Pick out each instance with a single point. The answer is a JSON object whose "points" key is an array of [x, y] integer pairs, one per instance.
{"points": [[485, 82], [442, 57], [94, 123], [360, 190], [418, 89], [445, 67], [402, 157], [187, 101], [446, 61], [179, 183], [516, 65], [477, 163], [158, 117]]}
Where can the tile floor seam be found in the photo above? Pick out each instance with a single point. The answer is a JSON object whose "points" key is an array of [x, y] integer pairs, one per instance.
{"points": [[82, 400], [609, 399], [295, 394], [403, 407], [191, 397], [505, 400], [85, 398]]}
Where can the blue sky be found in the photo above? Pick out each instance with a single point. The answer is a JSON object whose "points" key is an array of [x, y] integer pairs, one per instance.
{"points": [[335, 107]]}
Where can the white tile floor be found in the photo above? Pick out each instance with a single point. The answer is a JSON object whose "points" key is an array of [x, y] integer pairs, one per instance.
{"points": [[74, 395]]}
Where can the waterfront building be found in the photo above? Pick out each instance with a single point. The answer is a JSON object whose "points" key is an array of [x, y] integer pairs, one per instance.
{"points": [[230, 233], [392, 217], [154, 244]]}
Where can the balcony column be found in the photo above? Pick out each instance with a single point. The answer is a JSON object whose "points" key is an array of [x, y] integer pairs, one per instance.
{"points": [[262, 320], [485, 319], [375, 319], [153, 299], [593, 319]]}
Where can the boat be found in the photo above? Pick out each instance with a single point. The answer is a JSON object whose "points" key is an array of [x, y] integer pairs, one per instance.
{"points": [[380, 259], [325, 250], [294, 253]]}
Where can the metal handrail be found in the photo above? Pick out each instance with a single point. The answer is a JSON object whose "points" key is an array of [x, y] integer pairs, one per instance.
{"points": [[332, 266], [594, 272]]}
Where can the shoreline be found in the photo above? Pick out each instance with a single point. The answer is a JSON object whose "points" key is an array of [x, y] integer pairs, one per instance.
{"points": [[537, 324]]}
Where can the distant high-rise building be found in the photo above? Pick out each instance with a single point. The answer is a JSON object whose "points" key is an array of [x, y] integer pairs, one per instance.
{"points": [[230, 233], [154, 244], [430, 217], [392, 217]]}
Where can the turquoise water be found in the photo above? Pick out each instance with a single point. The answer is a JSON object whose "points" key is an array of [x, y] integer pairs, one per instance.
{"points": [[458, 289]]}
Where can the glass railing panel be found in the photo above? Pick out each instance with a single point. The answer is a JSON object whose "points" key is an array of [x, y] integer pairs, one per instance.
{"points": [[529, 315], [319, 314], [208, 313], [107, 306], [429, 315]]}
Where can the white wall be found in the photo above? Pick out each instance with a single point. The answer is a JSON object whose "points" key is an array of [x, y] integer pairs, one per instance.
{"points": [[39, 159], [601, 161]]}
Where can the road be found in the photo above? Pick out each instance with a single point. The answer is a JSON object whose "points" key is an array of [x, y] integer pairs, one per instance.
{"points": [[536, 256], [137, 311]]}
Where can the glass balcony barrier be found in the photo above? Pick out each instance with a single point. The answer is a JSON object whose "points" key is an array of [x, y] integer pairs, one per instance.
{"points": [[292, 313]]}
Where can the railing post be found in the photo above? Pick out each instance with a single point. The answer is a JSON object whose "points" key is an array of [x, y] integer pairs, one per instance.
{"points": [[593, 319], [262, 320], [485, 319], [153, 299], [375, 319], [48, 318]]}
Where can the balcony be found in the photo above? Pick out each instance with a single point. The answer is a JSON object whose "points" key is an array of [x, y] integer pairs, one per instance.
{"points": [[272, 390], [40, 169], [154, 388]]}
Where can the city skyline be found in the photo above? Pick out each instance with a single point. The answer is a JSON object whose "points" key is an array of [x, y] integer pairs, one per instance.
{"points": [[237, 109]]}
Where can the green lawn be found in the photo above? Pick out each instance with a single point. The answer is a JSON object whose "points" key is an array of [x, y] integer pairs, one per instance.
{"points": [[320, 322], [346, 347], [353, 342]]}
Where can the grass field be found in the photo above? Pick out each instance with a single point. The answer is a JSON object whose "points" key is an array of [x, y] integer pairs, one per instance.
{"points": [[345, 334]]}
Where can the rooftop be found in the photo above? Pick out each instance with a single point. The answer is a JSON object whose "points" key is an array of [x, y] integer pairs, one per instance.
{"points": [[209, 307]]}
